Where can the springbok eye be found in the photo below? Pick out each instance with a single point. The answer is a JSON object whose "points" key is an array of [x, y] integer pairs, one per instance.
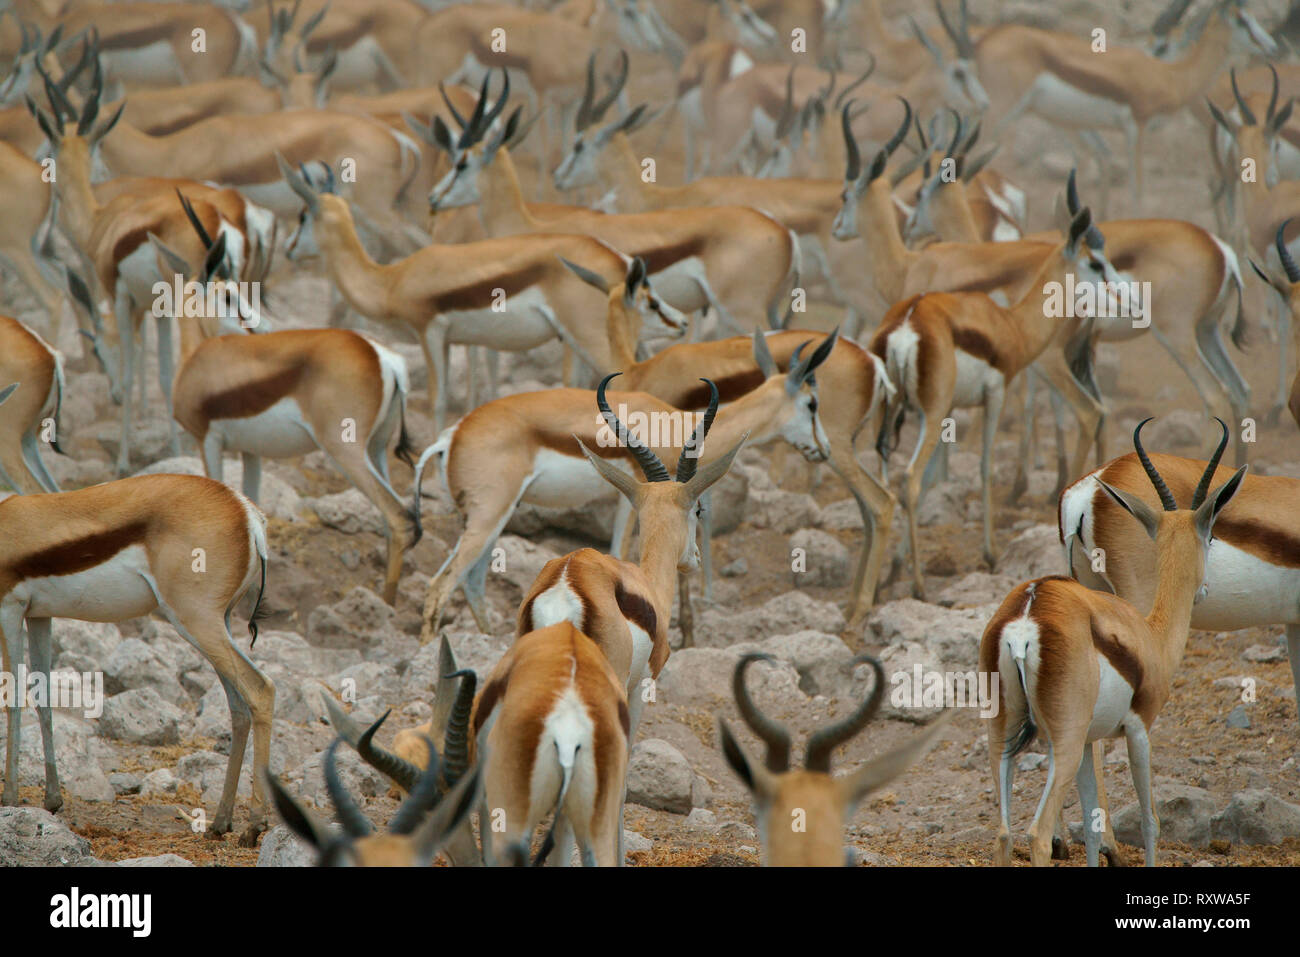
{"points": [[461, 165], [812, 404], [653, 303]]}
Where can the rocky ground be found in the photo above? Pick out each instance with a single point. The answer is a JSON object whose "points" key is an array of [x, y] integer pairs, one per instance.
{"points": [[140, 779]]}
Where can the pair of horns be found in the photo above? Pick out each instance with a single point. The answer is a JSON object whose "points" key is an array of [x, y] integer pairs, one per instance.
{"points": [[854, 166], [960, 34], [1162, 489], [822, 742], [591, 110], [473, 129], [651, 465]]}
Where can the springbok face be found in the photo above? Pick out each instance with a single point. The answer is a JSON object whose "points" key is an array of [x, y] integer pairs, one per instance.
{"points": [[666, 506], [424, 822], [579, 166], [1247, 34], [1251, 138], [962, 87], [473, 151], [858, 176], [659, 319], [801, 813], [310, 182], [1185, 532]]}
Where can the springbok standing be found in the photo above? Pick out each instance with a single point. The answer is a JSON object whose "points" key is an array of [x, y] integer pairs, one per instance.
{"points": [[1077, 665]]}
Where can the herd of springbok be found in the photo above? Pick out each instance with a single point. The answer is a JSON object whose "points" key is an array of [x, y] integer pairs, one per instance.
{"points": [[481, 175]]}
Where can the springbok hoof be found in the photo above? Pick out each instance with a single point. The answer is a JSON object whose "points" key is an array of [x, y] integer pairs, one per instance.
{"points": [[251, 834], [1060, 850], [53, 802]]}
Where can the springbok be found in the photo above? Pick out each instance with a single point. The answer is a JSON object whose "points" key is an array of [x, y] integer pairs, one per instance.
{"points": [[528, 447], [827, 802], [1077, 665], [183, 545], [33, 368]]}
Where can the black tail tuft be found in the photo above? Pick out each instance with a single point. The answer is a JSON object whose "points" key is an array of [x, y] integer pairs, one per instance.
{"points": [[1021, 735], [404, 450], [259, 613], [1240, 327]]}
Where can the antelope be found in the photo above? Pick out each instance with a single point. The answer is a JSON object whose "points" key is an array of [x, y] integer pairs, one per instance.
{"points": [[962, 349], [1267, 204], [525, 448], [553, 721], [1078, 666], [184, 545], [1193, 275], [827, 801], [284, 394], [33, 368], [453, 293], [1059, 78], [805, 206], [424, 822], [154, 43], [1250, 565], [734, 259], [113, 238], [852, 374], [1287, 290], [26, 199]]}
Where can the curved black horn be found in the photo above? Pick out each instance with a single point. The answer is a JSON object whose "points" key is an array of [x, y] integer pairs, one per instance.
{"points": [[469, 134], [1272, 100], [583, 117], [421, 799], [194, 220], [1072, 193], [402, 772], [772, 733], [1166, 496], [451, 108], [1203, 486], [896, 140], [1247, 117], [843, 94], [355, 824], [823, 742], [1284, 254], [456, 741], [650, 465], [500, 104], [599, 107], [854, 167], [690, 457]]}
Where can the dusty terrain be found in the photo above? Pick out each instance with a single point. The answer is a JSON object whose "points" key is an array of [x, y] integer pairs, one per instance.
{"points": [[943, 811]]}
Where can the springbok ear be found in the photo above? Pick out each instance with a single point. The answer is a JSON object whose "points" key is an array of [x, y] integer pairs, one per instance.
{"points": [[1283, 115], [587, 276], [1227, 125], [634, 279], [442, 137], [878, 772], [763, 355], [452, 812], [1216, 500], [706, 475], [175, 262], [612, 474], [298, 819], [1079, 227], [1139, 509]]}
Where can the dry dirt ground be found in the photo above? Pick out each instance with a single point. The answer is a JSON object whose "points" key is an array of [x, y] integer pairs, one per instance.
{"points": [[943, 811]]}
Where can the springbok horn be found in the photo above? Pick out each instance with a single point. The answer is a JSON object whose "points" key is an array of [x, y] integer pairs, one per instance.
{"points": [[422, 798], [823, 742], [1203, 486], [772, 733], [1166, 496], [456, 739], [1284, 254], [854, 168], [355, 824], [690, 457], [650, 465], [1247, 117]]}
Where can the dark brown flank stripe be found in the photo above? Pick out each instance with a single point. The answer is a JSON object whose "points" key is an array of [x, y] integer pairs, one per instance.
{"points": [[636, 608], [68, 558], [1123, 660], [1274, 545], [128, 242], [253, 398], [730, 387], [479, 295], [1096, 83], [975, 343], [661, 257]]}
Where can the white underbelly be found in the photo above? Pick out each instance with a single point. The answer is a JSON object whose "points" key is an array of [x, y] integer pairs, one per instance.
{"points": [[278, 432], [276, 196], [112, 591], [565, 481], [1114, 701], [679, 284], [1064, 105], [975, 378], [519, 326], [1245, 592]]}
